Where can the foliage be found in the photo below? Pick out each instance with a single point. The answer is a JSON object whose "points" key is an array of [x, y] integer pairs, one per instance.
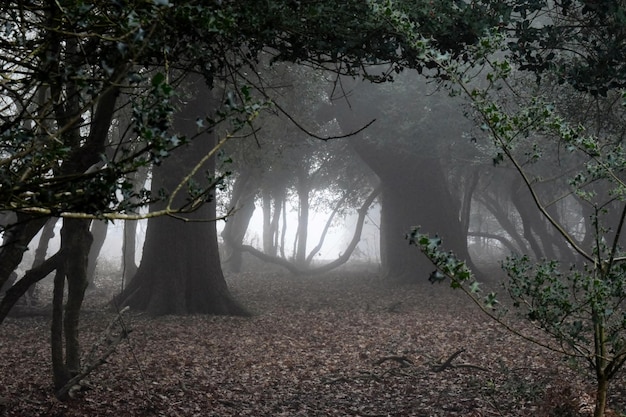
{"points": [[90, 90], [74, 73], [580, 306]]}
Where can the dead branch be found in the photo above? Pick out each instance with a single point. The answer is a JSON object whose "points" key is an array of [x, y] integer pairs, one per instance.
{"points": [[110, 340], [402, 360], [447, 364]]}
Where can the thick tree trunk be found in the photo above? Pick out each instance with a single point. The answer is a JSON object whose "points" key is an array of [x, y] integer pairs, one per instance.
{"points": [[414, 193], [414, 183], [422, 199], [180, 271]]}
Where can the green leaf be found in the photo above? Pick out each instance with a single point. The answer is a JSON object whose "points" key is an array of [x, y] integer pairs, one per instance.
{"points": [[436, 276]]}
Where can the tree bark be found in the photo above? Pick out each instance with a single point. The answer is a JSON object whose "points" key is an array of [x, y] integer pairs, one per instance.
{"points": [[180, 271], [27, 281], [76, 241], [129, 245], [244, 193], [98, 230], [302, 234], [414, 193], [16, 241], [602, 390], [47, 233]]}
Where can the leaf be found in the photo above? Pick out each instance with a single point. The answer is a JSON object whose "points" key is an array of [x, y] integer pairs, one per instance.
{"points": [[436, 276]]}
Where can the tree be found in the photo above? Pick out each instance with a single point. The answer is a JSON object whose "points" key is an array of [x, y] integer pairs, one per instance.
{"points": [[174, 276], [348, 43], [69, 68], [579, 306], [291, 170], [405, 148]]}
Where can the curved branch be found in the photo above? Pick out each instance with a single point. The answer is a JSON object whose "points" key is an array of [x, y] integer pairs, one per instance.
{"points": [[31, 277], [329, 266], [324, 138], [326, 228]]}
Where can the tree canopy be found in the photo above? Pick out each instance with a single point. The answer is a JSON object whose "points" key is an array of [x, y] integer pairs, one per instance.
{"points": [[70, 67]]}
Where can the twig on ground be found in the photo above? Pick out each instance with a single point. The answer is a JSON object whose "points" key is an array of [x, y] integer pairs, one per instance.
{"points": [[110, 340], [402, 360], [447, 364]]}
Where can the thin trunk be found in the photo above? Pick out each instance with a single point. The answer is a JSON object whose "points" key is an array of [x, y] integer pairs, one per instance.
{"points": [[99, 229], [283, 232], [242, 202], [602, 390], [65, 347], [47, 233], [129, 251], [78, 242], [295, 269], [59, 371], [505, 222], [15, 243], [129, 245], [329, 222], [27, 281], [303, 216], [468, 192], [268, 235]]}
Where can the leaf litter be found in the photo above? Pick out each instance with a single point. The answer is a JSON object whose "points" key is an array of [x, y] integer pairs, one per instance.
{"points": [[344, 344]]}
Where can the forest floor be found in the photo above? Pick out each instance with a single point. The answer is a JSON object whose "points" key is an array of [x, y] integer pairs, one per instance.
{"points": [[344, 344]]}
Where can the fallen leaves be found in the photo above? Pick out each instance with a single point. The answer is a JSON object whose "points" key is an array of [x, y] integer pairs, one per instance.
{"points": [[340, 345]]}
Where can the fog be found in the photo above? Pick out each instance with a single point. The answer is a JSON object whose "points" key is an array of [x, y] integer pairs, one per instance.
{"points": [[421, 161]]}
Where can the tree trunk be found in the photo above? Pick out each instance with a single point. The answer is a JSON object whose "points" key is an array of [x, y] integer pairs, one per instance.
{"points": [[15, 243], [602, 389], [99, 230], [356, 238], [47, 233], [129, 245], [302, 234], [414, 193], [76, 241], [180, 271], [271, 240], [244, 193], [129, 250]]}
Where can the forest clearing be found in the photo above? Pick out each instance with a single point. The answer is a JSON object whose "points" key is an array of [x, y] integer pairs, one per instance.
{"points": [[344, 344]]}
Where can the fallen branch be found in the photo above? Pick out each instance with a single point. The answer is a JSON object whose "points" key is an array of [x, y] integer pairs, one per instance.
{"points": [[402, 360], [449, 365], [110, 340]]}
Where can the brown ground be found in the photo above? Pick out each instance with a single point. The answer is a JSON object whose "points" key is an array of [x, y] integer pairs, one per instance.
{"points": [[341, 345]]}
